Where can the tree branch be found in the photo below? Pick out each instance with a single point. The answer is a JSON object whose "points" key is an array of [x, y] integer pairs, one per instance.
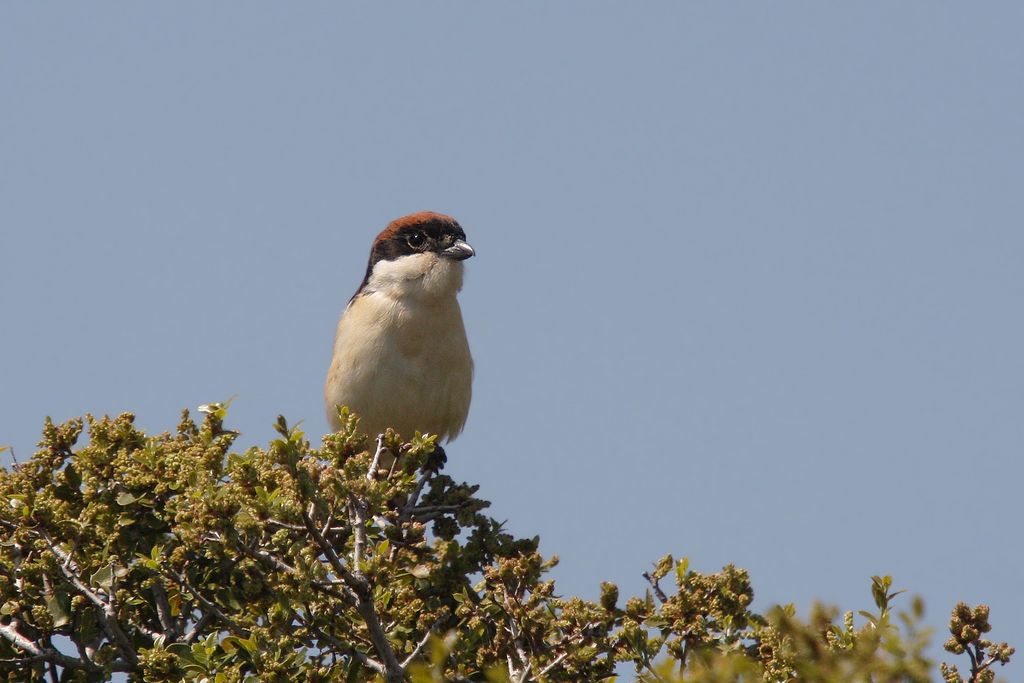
{"points": [[163, 611], [420, 645], [371, 473], [107, 609], [197, 628], [342, 648], [416, 493], [48, 654], [657, 588], [393, 671], [208, 605], [557, 660]]}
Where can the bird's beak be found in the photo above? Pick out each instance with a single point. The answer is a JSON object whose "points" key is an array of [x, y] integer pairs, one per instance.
{"points": [[460, 251]]}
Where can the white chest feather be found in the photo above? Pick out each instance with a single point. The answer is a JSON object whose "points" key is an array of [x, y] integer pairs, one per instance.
{"points": [[401, 358]]}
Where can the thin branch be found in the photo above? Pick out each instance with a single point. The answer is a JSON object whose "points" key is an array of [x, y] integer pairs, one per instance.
{"points": [[285, 525], [420, 645], [273, 562], [375, 463], [197, 628], [39, 654], [394, 672], [358, 513], [357, 582], [107, 608], [517, 642], [342, 647], [974, 660], [83, 648], [150, 633], [429, 509], [657, 589], [163, 611], [558, 660], [268, 559], [512, 670], [327, 524], [206, 603], [416, 492], [10, 632]]}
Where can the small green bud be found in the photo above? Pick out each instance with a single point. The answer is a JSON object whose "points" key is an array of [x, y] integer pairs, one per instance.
{"points": [[663, 567], [609, 595]]}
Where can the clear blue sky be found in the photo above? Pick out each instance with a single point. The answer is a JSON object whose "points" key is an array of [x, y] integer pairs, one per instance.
{"points": [[749, 279]]}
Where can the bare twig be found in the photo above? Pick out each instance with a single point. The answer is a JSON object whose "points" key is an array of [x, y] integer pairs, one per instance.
{"points": [[271, 561], [367, 610], [208, 605], [48, 654], [354, 579], [10, 632], [327, 531], [430, 509], [342, 647], [513, 670], [197, 628], [107, 608], [327, 524], [420, 645], [375, 463], [974, 655], [429, 513], [555, 662], [163, 611], [358, 513], [524, 660], [657, 589], [416, 492], [393, 671]]}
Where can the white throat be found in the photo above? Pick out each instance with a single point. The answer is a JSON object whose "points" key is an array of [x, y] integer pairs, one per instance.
{"points": [[419, 276]]}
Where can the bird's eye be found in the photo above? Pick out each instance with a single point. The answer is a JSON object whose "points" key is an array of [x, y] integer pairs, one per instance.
{"points": [[416, 240]]}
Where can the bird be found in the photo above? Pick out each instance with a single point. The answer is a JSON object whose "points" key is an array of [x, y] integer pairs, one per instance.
{"points": [[401, 358]]}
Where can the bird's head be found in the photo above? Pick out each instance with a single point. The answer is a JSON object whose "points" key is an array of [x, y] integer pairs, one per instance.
{"points": [[419, 255]]}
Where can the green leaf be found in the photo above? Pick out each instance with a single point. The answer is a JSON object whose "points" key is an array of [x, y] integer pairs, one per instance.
{"points": [[663, 566], [182, 651], [58, 609], [125, 498], [201, 655], [103, 577], [681, 568], [232, 643], [869, 616], [218, 410]]}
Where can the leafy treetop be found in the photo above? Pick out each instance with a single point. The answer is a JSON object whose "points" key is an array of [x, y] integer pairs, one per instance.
{"points": [[171, 558]]}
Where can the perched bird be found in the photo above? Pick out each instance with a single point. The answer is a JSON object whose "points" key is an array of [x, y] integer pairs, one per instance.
{"points": [[401, 358]]}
